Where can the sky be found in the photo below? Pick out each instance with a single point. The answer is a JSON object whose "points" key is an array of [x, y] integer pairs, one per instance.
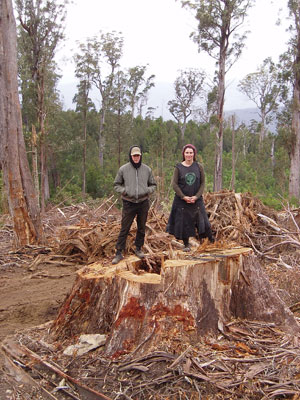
{"points": [[156, 34]]}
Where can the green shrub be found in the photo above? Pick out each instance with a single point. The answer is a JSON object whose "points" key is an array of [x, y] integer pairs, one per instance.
{"points": [[70, 194]]}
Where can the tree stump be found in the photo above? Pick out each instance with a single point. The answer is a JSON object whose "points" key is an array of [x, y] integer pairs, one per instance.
{"points": [[186, 298]]}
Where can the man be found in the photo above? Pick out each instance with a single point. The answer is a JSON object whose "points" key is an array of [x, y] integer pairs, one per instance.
{"points": [[135, 182]]}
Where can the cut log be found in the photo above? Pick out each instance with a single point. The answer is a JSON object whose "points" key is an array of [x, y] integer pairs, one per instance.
{"points": [[185, 299]]}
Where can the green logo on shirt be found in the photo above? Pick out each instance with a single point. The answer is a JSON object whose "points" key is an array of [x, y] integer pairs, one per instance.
{"points": [[190, 178]]}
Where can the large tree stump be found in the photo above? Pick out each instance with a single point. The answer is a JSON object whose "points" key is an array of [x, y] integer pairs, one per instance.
{"points": [[192, 296]]}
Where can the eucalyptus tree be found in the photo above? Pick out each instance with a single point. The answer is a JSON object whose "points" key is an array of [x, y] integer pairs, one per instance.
{"points": [[82, 99], [160, 145], [120, 119], [188, 89], [138, 88], [41, 31], [103, 55], [23, 203], [83, 104], [217, 34], [263, 89], [294, 179]]}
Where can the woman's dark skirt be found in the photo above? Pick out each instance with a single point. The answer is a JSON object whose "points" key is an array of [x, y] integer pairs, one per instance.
{"points": [[188, 220]]}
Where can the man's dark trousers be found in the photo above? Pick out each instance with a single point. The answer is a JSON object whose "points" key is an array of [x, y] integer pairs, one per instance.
{"points": [[129, 212]]}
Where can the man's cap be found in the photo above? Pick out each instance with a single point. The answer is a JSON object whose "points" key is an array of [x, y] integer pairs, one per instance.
{"points": [[135, 151]]}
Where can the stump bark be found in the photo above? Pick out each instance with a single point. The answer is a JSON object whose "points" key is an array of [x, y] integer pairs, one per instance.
{"points": [[188, 297]]}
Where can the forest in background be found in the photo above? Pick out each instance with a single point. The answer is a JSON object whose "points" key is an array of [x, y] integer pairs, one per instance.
{"points": [[74, 155], [255, 170]]}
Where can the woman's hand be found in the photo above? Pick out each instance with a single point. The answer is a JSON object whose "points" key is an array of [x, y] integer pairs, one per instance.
{"points": [[189, 199]]}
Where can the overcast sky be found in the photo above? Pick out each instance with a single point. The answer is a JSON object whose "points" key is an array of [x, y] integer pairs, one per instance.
{"points": [[156, 32]]}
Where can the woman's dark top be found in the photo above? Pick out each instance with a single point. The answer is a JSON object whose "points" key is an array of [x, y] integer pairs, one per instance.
{"points": [[188, 181], [187, 218]]}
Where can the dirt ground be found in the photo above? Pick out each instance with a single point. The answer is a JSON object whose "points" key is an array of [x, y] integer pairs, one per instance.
{"points": [[28, 297]]}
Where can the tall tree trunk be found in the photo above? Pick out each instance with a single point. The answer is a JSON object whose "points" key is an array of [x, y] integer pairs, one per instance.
{"points": [[262, 133], [119, 137], [182, 127], [35, 171], [101, 140], [23, 203], [133, 103], [233, 154], [294, 180], [273, 155], [43, 170], [219, 135], [162, 171], [84, 151], [55, 176], [46, 182], [43, 156]]}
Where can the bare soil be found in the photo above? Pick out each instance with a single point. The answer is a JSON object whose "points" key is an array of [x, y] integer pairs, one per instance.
{"points": [[28, 300], [28, 297]]}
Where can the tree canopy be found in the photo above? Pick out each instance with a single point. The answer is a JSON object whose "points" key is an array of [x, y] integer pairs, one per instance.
{"points": [[80, 150]]}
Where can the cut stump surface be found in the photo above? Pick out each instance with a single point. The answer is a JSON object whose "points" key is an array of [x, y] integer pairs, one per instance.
{"points": [[193, 295]]}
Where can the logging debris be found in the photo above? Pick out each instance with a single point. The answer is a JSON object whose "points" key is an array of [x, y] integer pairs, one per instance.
{"points": [[249, 360], [79, 234]]}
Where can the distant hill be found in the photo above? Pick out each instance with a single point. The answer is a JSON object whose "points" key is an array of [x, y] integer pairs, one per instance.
{"points": [[247, 115]]}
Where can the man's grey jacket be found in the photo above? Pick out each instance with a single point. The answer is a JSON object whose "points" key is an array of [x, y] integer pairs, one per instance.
{"points": [[135, 184]]}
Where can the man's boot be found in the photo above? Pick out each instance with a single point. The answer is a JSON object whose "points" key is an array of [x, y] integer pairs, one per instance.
{"points": [[118, 257], [139, 253]]}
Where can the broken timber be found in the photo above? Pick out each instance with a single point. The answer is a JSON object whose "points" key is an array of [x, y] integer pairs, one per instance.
{"points": [[189, 297]]}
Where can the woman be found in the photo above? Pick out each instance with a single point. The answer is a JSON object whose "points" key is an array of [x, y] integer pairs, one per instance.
{"points": [[188, 213]]}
